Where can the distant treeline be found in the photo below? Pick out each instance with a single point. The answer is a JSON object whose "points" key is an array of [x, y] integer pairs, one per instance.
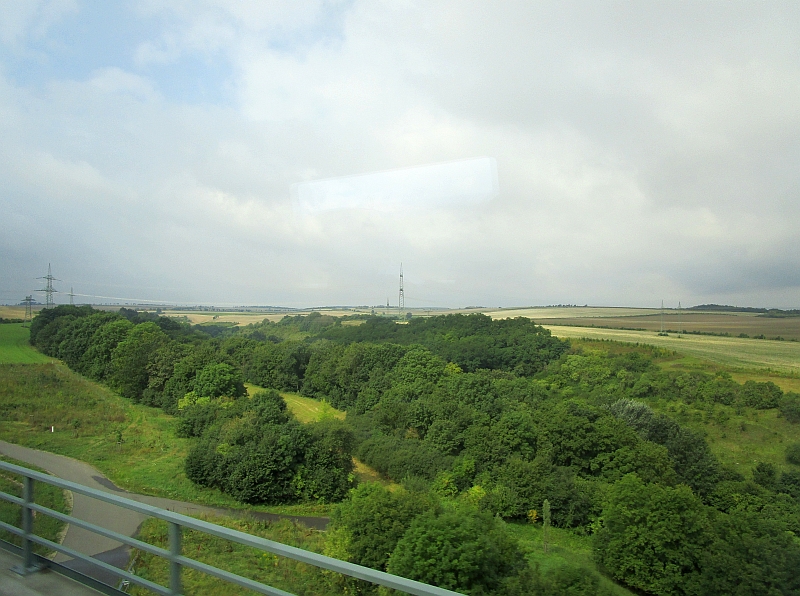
{"points": [[480, 420], [766, 312]]}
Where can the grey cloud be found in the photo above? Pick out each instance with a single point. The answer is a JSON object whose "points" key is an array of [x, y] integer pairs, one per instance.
{"points": [[642, 150]]}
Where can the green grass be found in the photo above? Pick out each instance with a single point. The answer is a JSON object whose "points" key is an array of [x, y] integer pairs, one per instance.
{"points": [[286, 574], [14, 346], [739, 437], [44, 494], [88, 420], [306, 409], [564, 547], [745, 355]]}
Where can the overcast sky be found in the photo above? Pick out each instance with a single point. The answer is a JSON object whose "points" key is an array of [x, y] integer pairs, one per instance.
{"points": [[644, 151]]}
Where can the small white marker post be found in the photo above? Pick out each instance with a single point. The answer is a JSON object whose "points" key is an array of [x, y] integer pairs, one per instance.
{"points": [[52, 429]]}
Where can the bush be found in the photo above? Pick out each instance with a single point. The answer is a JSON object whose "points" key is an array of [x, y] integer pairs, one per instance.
{"points": [[790, 407], [257, 454], [365, 529], [793, 454], [761, 396], [468, 551], [765, 475], [653, 537]]}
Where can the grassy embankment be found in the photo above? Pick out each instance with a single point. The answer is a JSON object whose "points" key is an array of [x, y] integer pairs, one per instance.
{"points": [[14, 346], [279, 572], [89, 420], [44, 494]]}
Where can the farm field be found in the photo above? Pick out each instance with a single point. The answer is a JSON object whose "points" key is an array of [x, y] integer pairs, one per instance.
{"points": [[741, 354], [246, 318], [732, 324], [14, 346], [14, 312], [562, 312]]}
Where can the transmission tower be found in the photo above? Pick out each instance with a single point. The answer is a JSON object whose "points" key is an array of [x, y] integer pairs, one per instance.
{"points": [[48, 288], [28, 316], [662, 332], [401, 302]]}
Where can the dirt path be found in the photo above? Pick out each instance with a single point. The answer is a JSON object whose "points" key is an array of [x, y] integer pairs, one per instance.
{"points": [[116, 518]]}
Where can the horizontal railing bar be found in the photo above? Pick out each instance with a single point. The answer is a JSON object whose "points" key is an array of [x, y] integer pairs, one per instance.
{"points": [[371, 575], [10, 528], [158, 588], [12, 499], [232, 577], [365, 573], [137, 544], [75, 554]]}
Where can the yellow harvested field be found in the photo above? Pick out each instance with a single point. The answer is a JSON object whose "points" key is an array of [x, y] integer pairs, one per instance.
{"points": [[15, 312], [565, 312], [248, 317], [734, 352]]}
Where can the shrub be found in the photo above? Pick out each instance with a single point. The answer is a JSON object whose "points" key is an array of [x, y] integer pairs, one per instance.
{"points": [[765, 475], [468, 551], [790, 407], [365, 529], [793, 454]]}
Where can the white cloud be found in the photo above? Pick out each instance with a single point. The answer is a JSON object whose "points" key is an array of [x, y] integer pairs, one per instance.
{"points": [[641, 150], [23, 19]]}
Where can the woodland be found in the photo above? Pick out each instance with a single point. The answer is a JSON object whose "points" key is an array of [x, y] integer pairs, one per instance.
{"points": [[483, 423]]}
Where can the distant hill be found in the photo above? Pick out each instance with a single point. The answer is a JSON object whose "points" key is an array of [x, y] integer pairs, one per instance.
{"points": [[766, 312]]}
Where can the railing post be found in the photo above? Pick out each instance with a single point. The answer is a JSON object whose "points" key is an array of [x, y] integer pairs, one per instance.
{"points": [[28, 565], [175, 552]]}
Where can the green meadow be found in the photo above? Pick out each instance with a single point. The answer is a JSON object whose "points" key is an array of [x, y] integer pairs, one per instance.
{"points": [[14, 346]]}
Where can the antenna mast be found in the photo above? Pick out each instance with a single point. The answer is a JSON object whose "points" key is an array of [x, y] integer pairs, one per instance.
{"points": [[401, 302], [48, 288]]}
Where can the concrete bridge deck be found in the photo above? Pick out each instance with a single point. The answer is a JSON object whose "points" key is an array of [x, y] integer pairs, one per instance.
{"points": [[43, 583]]}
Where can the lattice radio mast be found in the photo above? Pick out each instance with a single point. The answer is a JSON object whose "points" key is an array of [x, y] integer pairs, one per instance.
{"points": [[402, 299], [48, 288]]}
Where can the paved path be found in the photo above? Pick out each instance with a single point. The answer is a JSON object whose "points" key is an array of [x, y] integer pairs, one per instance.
{"points": [[111, 516]]}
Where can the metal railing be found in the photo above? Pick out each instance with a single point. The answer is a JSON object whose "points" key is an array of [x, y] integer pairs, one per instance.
{"points": [[177, 561]]}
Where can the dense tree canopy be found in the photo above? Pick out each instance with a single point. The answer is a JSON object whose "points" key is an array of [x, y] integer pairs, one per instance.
{"points": [[481, 420]]}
